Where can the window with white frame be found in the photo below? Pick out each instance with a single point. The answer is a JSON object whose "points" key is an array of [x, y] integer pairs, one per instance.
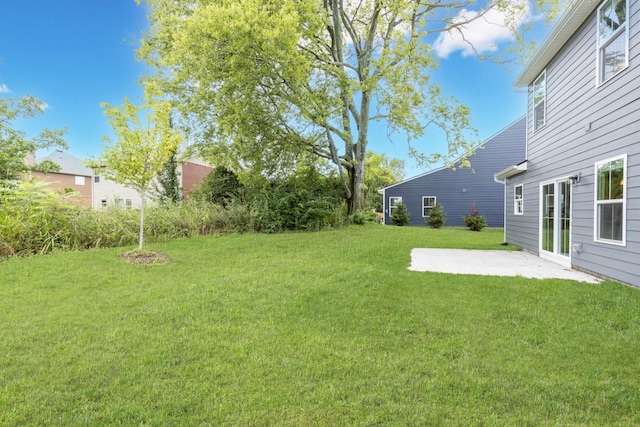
{"points": [[79, 180], [428, 202], [393, 204], [518, 200], [610, 200], [103, 202], [539, 101], [613, 38], [96, 179], [128, 203]]}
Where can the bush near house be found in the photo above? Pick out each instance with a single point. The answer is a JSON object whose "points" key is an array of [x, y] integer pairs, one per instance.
{"points": [[437, 217], [473, 220], [400, 215]]}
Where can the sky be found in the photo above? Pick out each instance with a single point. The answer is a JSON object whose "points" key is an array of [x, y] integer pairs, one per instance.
{"points": [[76, 54]]}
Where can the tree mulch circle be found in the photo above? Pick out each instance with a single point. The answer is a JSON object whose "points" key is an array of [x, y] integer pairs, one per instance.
{"points": [[145, 257]]}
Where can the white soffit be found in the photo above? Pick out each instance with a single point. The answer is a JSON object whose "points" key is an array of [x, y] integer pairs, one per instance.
{"points": [[574, 15], [511, 171]]}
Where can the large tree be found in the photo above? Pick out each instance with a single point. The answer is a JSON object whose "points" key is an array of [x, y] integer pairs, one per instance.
{"points": [[145, 142], [265, 80], [16, 145]]}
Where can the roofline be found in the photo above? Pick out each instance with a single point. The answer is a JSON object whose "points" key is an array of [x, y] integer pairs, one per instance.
{"points": [[380, 191], [570, 20], [511, 171]]}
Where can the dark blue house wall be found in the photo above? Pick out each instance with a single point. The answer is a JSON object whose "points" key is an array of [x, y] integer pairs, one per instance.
{"points": [[456, 190]]}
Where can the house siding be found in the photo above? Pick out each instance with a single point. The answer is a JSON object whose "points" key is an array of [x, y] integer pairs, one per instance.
{"points": [[62, 181], [585, 123], [456, 190]]}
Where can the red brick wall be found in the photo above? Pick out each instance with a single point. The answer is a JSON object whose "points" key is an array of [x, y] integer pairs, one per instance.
{"points": [[192, 176]]}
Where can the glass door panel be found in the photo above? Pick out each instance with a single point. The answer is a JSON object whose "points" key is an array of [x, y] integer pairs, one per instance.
{"points": [[548, 204]]}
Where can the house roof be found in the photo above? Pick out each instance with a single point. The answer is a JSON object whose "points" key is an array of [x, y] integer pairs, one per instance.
{"points": [[456, 161], [69, 164], [573, 16]]}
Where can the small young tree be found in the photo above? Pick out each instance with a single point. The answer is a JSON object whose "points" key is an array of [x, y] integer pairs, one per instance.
{"points": [[142, 147], [437, 216], [473, 220], [400, 215]]}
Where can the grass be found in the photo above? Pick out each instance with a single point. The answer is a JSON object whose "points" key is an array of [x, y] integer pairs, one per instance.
{"points": [[316, 329]]}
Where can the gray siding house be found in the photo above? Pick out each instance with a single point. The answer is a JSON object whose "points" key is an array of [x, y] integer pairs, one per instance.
{"points": [[457, 189], [575, 198]]}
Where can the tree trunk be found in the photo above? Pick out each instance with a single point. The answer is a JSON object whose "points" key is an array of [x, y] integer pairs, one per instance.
{"points": [[355, 203], [141, 234]]}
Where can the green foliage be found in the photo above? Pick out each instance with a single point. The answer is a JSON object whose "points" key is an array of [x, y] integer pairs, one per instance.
{"points": [[306, 201], [400, 215], [362, 218], [473, 220], [437, 216], [167, 185], [379, 172], [144, 144], [15, 146], [220, 187]]}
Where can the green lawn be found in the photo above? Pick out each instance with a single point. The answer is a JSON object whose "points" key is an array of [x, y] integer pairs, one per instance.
{"points": [[316, 329]]}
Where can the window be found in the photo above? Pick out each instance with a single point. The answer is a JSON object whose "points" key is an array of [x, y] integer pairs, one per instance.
{"points": [[393, 204], [610, 201], [119, 202], [127, 203], [428, 202], [96, 179], [613, 38], [518, 201], [539, 101], [79, 180], [103, 203]]}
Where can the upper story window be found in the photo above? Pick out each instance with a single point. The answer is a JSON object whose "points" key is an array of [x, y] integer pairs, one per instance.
{"points": [[613, 38], [79, 180], [96, 179], [539, 101], [610, 203]]}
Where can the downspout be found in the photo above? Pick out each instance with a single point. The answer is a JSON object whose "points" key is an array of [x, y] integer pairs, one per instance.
{"points": [[504, 213]]}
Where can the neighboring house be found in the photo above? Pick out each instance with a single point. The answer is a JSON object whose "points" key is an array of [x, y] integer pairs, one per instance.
{"points": [[98, 192], [106, 192], [192, 172], [72, 175], [575, 199], [457, 189], [110, 193]]}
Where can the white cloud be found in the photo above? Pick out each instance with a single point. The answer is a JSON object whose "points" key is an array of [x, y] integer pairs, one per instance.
{"points": [[482, 34], [4, 88]]}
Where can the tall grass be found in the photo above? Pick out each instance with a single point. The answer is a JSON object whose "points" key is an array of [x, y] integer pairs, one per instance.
{"points": [[35, 220]]}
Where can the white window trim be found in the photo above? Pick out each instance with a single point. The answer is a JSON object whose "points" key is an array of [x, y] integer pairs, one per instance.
{"points": [[544, 99], [518, 202], [599, 46], [596, 203], [430, 207], [391, 206], [79, 180]]}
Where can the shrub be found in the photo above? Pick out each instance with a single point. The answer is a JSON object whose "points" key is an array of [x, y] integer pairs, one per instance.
{"points": [[437, 216], [400, 215], [473, 220]]}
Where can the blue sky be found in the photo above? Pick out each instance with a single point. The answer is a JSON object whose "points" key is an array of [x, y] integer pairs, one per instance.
{"points": [[75, 54]]}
